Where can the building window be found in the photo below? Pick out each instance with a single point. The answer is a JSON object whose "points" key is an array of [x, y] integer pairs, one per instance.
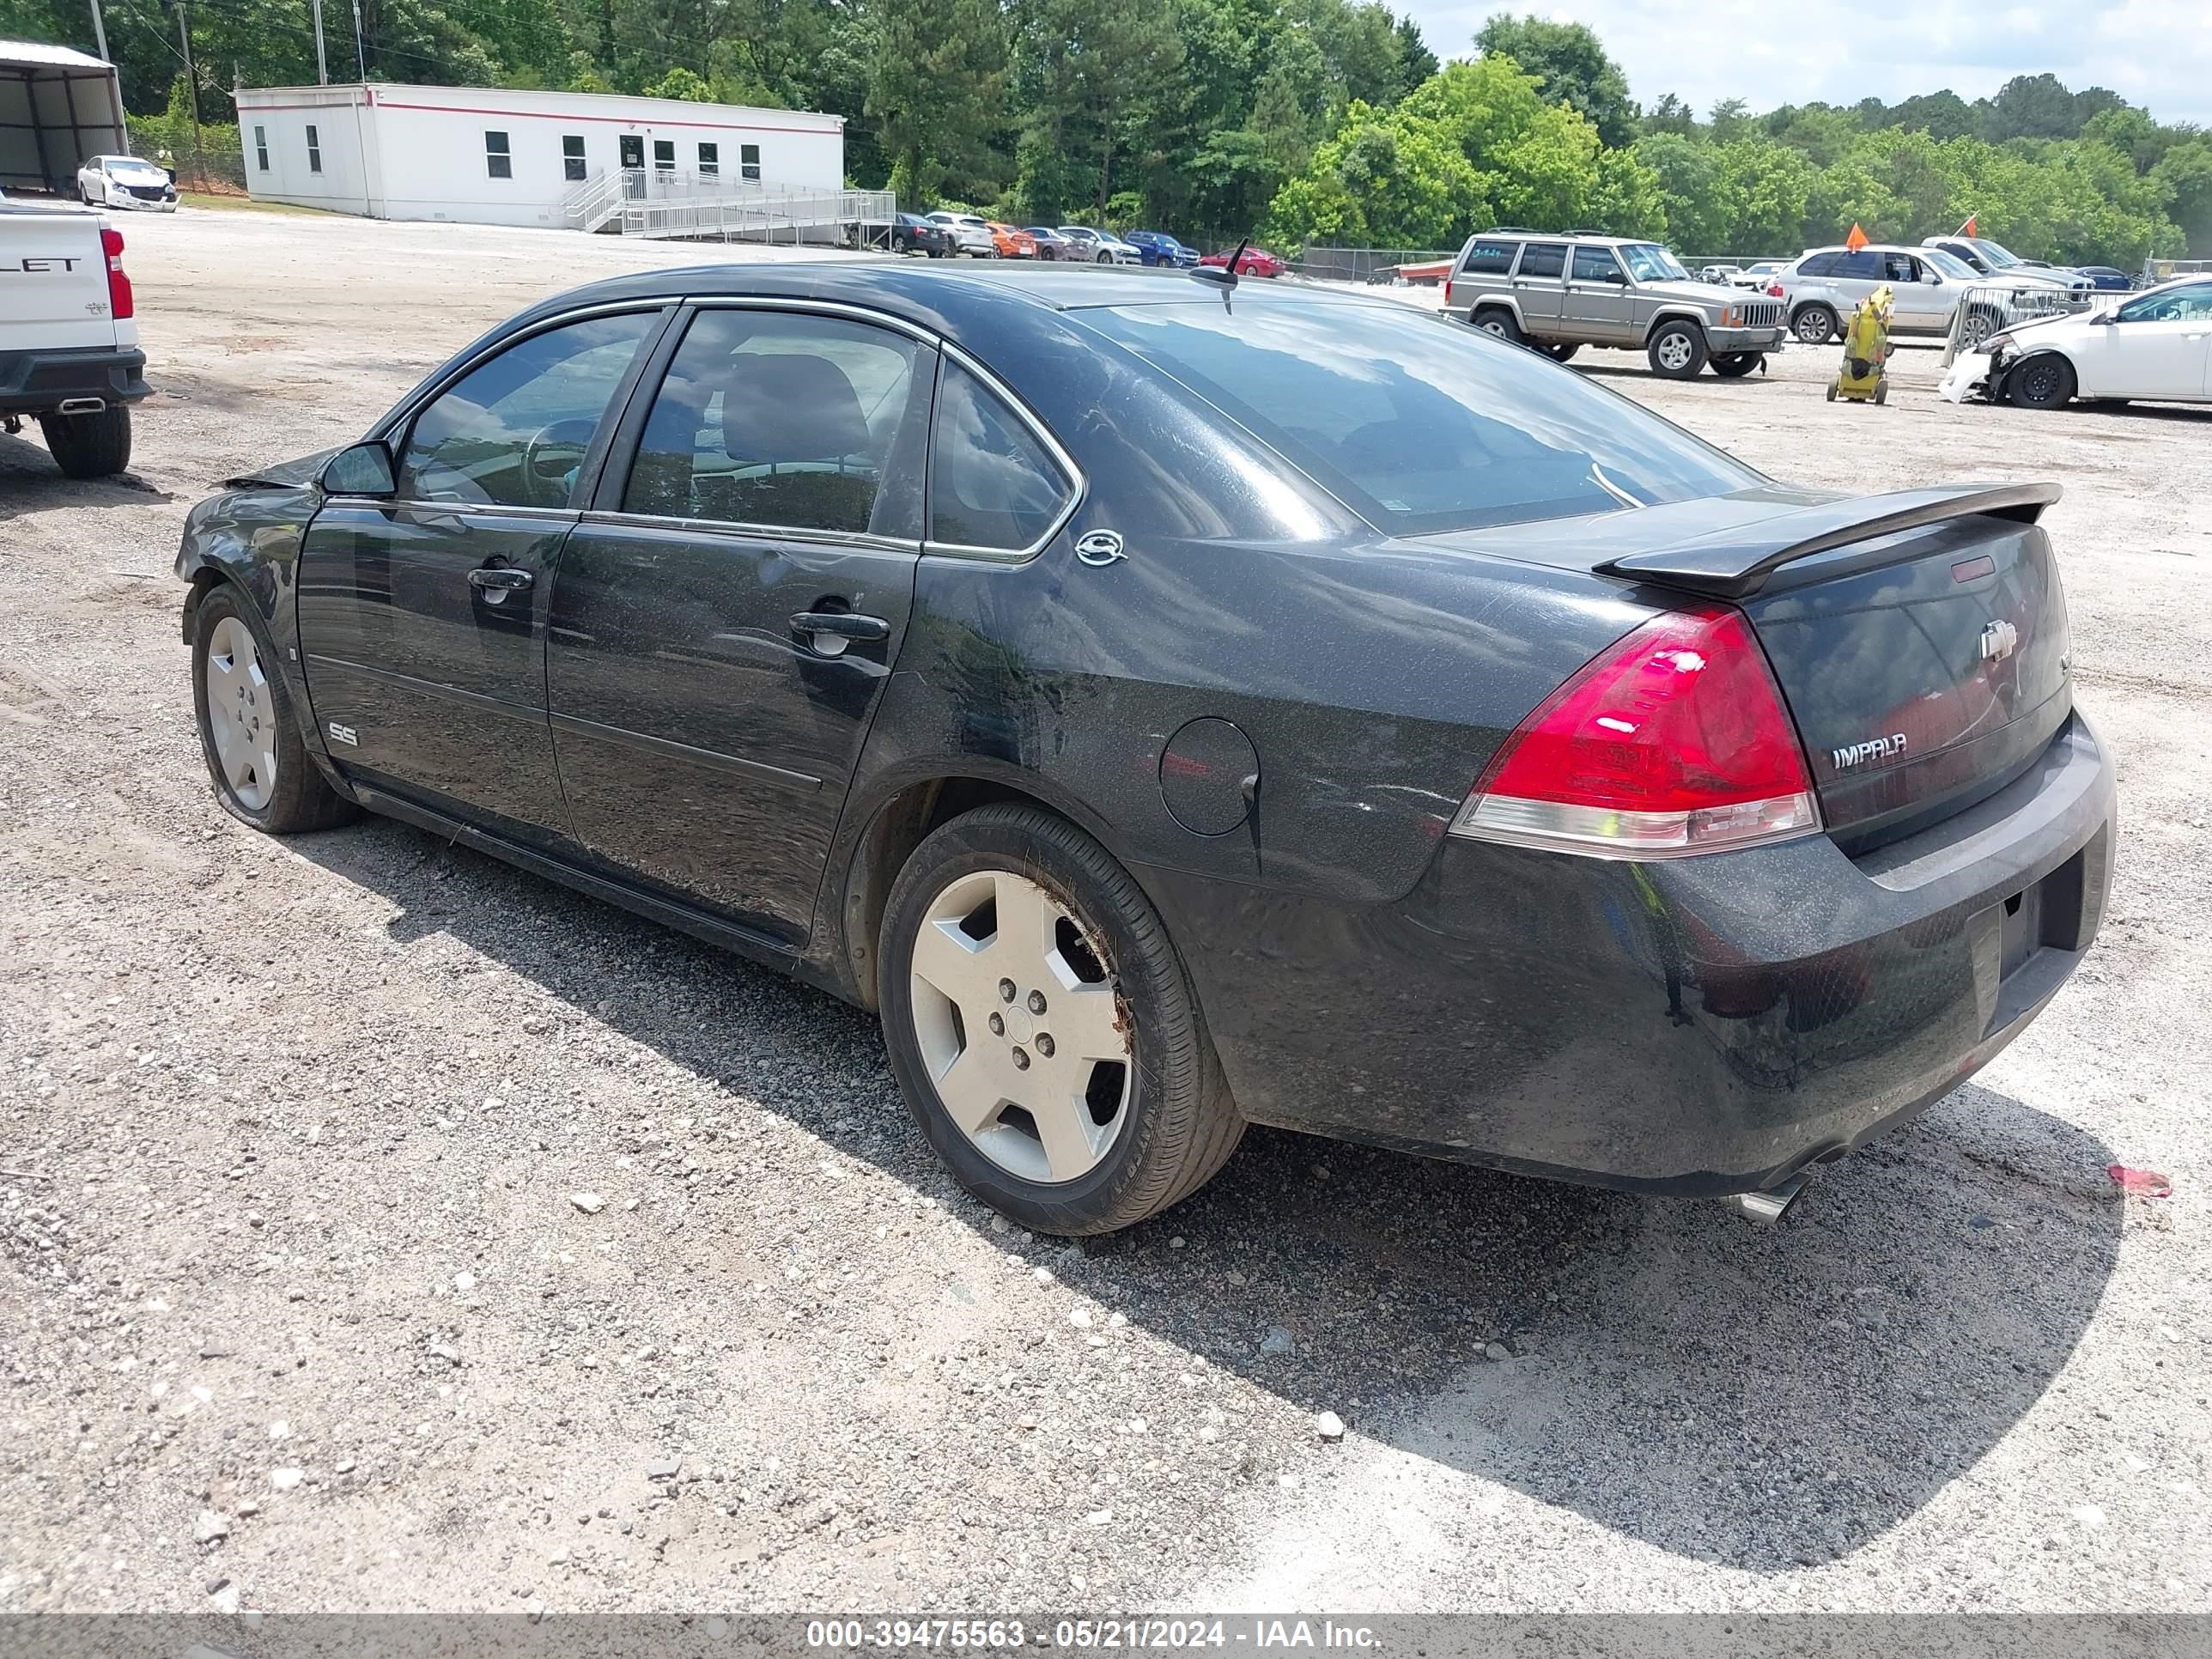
{"points": [[664, 155], [748, 161], [261, 148], [572, 157], [710, 160], [498, 162]]}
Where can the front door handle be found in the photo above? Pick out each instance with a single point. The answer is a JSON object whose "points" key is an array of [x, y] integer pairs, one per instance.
{"points": [[499, 580], [841, 624]]}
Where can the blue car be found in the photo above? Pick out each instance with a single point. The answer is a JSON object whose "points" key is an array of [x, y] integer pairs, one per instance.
{"points": [[1161, 249]]}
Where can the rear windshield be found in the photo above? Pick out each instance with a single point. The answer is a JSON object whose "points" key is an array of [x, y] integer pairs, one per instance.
{"points": [[1420, 423]]}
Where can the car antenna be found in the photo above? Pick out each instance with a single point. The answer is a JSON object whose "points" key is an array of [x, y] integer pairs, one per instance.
{"points": [[1227, 275]]}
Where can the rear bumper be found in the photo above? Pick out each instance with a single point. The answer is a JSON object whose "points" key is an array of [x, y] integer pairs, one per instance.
{"points": [[38, 382], [1697, 1027]]}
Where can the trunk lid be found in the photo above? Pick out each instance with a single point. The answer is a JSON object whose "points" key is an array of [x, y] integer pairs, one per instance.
{"points": [[53, 281], [1919, 639]]}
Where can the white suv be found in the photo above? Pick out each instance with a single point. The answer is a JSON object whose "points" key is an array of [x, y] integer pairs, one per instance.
{"points": [[1821, 289], [970, 234]]}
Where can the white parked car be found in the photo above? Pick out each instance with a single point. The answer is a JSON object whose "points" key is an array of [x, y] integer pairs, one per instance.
{"points": [[1101, 247], [1822, 288], [970, 234], [131, 182], [2155, 345]]}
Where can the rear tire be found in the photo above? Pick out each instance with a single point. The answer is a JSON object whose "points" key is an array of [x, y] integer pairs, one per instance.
{"points": [[2044, 381], [96, 446], [249, 730], [1010, 894], [1495, 320], [1734, 365], [1677, 351], [1813, 324]]}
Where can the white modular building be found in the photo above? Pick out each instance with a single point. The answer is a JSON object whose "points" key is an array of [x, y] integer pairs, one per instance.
{"points": [[489, 156]]}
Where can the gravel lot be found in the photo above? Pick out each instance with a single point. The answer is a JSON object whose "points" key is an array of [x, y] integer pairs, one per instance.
{"points": [[298, 1308]]}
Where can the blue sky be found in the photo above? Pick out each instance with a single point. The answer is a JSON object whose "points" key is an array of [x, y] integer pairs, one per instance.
{"points": [[2157, 53]]}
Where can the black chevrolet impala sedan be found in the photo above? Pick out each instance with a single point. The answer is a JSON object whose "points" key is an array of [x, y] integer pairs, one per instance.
{"points": [[1175, 704]]}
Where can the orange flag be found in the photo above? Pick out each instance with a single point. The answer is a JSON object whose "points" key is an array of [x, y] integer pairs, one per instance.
{"points": [[1857, 240], [1967, 229]]}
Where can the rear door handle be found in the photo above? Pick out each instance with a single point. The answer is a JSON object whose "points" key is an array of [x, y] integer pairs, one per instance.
{"points": [[842, 624], [499, 579]]}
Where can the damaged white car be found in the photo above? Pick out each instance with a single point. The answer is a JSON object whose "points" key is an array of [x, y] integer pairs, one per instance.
{"points": [[2155, 346]]}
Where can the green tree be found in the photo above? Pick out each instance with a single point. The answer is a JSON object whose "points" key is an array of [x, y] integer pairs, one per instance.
{"points": [[1571, 67], [2185, 171], [935, 79]]}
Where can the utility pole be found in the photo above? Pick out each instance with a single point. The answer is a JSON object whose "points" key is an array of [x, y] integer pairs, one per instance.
{"points": [[99, 31], [322, 64], [360, 51], [192, 76]]}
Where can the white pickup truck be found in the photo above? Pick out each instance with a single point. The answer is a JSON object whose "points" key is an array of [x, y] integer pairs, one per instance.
{"points": [[69, 345]]}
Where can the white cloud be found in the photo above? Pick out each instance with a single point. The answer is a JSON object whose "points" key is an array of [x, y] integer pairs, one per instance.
{"points": [[2156, 53]]}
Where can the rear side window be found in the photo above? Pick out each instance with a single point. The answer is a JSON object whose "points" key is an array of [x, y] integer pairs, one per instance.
{"points": [[783, 420], [1418, 423], [1543, 259], [992, 484], [1816, 264], [1488, 256], [514, 432], [1860, 265]]}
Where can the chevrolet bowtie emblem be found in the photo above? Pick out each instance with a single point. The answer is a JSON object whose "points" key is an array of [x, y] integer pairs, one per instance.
{"points": [[1998, 641]]}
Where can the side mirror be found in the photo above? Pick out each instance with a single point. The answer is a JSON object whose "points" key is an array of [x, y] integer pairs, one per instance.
{"points": [[364, 469], [1933, 279]]}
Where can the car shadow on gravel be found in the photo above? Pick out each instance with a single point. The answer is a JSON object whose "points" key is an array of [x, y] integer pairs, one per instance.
{"points": [[1759, 1398], [30, 482]]}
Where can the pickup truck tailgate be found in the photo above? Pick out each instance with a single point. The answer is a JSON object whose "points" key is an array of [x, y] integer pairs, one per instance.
{"points": [[53, 283]]}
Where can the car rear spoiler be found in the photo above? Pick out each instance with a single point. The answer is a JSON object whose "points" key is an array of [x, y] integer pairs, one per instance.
{"points": [[1736, 562]]}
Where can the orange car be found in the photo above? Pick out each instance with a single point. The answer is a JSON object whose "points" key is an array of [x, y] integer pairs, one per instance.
{"points": [[1013, 242]]}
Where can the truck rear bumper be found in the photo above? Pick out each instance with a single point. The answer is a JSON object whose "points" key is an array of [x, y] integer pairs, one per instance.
{"points": [[40, 382]]}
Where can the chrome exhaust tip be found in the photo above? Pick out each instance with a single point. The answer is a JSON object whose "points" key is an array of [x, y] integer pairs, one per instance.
{"points": [[81, 406], [1767, 1207]]}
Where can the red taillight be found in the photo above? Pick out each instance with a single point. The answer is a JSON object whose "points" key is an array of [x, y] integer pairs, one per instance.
{"points": [[121, 304], [1774, 291], [1672, 741], [1447, 290]]}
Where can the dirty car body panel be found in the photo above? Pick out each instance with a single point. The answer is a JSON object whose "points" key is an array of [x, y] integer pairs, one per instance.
{"points": [[1265, 665]]}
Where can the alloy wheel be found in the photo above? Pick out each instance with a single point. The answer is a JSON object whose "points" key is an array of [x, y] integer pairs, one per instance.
{"points": [[1020, 1023], [241, 710], [1674, 351]]}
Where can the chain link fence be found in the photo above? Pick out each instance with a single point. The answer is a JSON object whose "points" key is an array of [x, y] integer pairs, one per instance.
{"points": [[206, 158], [1363, 265]]}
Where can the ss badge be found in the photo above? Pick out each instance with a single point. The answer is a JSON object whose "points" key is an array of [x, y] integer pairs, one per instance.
{"points": [[344, 734]]}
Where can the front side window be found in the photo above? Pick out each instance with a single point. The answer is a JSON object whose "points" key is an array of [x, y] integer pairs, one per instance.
{"points": [[710, 160], [499, 160], [572, 157], [748, 161], [992, 484], [1419, 424], [1543, 259], [2193, 304], [514, 432], [1597, 265], [315, 151], [1899, 268], [1969, 256], [780, 420], [1488, 256], [664, 155], [261, 148]]}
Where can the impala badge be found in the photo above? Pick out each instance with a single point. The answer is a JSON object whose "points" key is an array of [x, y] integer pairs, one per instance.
{"points": [[1857, 754], [1100, 547], [1998, 641]]}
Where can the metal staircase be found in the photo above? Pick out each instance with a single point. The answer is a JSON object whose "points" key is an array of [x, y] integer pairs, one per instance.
{"points": [[665, 203]]}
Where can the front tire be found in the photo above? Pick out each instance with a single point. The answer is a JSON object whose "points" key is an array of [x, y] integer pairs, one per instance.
{"points": [[249, 733], [2044, 381], [1815, 324], [1043, 1030], [1560, 351], [1105, 258], [1677, 351], [95, 445], [1734, 365]]}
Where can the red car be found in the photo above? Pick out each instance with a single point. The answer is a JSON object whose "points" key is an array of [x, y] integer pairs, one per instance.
{"points": [[1257, 262]]}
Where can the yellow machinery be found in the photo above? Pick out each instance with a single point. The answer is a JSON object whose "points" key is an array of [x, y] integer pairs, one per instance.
{"points": [[1866, 351]]}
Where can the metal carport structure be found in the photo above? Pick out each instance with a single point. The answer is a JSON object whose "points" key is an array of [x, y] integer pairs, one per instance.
{"points": [[58, 107]]}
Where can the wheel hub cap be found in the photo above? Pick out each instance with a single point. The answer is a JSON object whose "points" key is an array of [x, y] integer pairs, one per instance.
{"points": [[242, 715], [1021, 1026]]}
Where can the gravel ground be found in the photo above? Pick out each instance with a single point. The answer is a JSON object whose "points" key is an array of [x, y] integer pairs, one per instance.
{"points": [[385, 1229]]}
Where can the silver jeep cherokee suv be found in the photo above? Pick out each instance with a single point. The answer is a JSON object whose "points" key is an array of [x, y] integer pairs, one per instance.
{"points": [[1559, 292]]}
